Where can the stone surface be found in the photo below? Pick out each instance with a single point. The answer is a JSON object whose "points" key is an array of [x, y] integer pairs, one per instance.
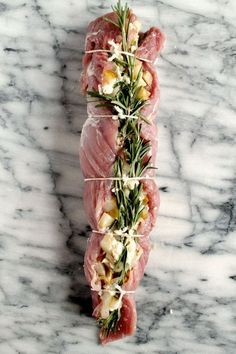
{"points": [[186, 301]]}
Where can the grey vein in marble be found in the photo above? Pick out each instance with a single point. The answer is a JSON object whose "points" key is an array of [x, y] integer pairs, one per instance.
{"points": [[186, 302]]}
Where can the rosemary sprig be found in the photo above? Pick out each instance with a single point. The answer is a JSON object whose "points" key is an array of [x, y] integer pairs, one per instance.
{"points": [[125, 101], [121, 265], [109, 324], [130, 206], [125, 98], [135, 149], [123, 22]]}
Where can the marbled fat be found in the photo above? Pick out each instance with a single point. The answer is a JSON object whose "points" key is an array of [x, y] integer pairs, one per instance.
{"points": [[186, 302]]}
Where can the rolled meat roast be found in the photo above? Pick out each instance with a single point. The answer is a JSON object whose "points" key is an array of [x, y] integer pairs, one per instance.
{"points": [[117, 155]]}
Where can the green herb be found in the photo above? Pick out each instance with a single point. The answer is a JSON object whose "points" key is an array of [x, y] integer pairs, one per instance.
{"points": [[125, 98], [133, 159], [109, 324], [130, 206], [123, 22], [135, 149], [120, 265]]}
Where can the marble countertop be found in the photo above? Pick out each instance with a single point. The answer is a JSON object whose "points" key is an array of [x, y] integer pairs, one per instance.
{"points": [[187, 300]]}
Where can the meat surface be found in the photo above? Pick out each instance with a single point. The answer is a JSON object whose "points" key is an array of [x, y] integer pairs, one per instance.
{"points": [[98, 152]]}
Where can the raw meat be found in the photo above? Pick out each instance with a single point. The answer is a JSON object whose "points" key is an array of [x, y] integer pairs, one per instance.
{"points": [[98, 152]]}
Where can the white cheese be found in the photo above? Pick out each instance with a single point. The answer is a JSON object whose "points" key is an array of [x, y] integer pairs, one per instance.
{"points": [[100, 269], [134, 251], [119, 72], [115, 48], [105, 221], [110, 204], [111, 246], [105, 303], [109, 302], [131, 252], [95, 282], [130, 183], [108, 88], [126, 79], [120, 112], [115, 303]]}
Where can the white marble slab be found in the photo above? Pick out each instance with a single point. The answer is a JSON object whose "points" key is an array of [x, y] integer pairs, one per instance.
{"points": [[186, 303]]}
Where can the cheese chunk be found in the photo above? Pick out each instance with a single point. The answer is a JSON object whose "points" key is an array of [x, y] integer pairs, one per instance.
{"points": [[105, 303], [108, 81], [111, 246], [147, 77], [105, 221], [109, 303], [143, 94], [131, 252]]}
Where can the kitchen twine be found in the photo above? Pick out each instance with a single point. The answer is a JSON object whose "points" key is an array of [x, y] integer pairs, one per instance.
{"points": [[118, 178], [120, 235], [112, 116], [118, 51], [117, 288]]}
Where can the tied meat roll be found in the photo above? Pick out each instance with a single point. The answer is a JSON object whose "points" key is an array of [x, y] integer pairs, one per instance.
{"points": [[117, 155]]}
